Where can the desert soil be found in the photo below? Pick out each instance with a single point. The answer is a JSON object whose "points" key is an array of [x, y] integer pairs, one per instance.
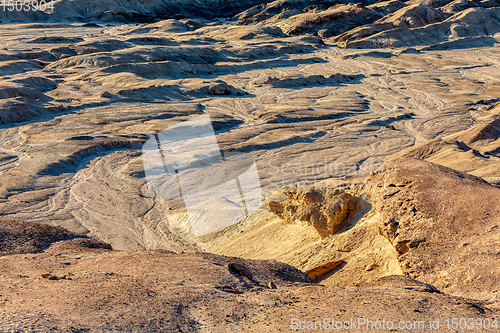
{"points": [[395, 103]]}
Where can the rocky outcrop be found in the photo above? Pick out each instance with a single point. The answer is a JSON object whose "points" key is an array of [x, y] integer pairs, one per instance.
{"points": [[474, 151], [151, 291], [413, 16], [473, 22], [133, 11], [27, 237], [331, 22], [444, 224], [384, 24], [24, 237], [282, 9], [325, 209], [320, 271]]}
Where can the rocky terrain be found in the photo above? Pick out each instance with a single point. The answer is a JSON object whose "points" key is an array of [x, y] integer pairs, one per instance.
{"points": [[406, 260], [375, 131]]}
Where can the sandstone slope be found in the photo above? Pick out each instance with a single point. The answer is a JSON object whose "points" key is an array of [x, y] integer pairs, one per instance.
{"points": [[443, 224], [71, 287], [474, 151], [80, 97], [78, 101], [421, 220]]}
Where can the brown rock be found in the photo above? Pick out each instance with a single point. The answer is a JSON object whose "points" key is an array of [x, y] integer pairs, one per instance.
{"points": [[326, 210], [370, 267], [106, 94], [240, 270], [219, 88], [450, 209], [24, 237], [146, 278], [318, 272], [49, 276]]}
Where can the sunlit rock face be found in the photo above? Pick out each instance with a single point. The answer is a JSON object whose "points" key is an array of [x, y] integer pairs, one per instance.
{"points": [[79, 100], [326, 210], [350, 155]]}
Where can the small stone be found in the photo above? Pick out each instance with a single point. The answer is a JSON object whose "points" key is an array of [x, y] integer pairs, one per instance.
{"points": [[318, 272], [240, 270], [370, 267], [230, 289], [271, 285], [219, 88], [492, 229]]}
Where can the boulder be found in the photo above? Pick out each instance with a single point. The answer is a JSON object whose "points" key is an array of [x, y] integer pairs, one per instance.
{"points": [[326, 210]]}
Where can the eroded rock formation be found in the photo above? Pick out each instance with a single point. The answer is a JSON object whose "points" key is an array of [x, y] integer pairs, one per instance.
{"points": [[325, 209]]}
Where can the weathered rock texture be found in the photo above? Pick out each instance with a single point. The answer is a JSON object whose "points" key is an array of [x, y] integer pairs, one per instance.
{"points": [[444, 224], [78, 100], [133, 11], [25, 237], [326, 210], [82, 289], [475, 150], [437, 225], [317, 273]]}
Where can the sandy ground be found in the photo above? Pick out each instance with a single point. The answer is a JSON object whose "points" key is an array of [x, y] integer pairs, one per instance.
{"points": [[307, 113], [157, 291], [317, 95]]}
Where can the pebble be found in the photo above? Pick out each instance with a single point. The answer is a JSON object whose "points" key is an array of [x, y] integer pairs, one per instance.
{"points": [[271, 285], [370, 267]]}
